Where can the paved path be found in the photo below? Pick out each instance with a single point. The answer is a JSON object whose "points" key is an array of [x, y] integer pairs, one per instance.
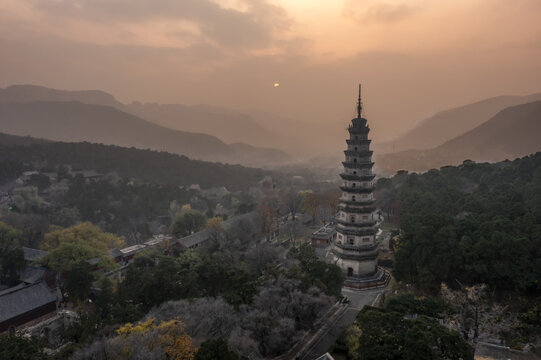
{"points": [[358, 299]]}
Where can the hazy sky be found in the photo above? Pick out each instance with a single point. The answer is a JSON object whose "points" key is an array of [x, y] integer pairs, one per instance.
{"points": [[414, 57]]}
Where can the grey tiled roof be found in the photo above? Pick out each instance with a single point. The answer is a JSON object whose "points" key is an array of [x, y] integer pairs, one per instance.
{"points": [[32, 274], [33, 254], [194, 239], [115, 252], [21, 299], [202, 236]]}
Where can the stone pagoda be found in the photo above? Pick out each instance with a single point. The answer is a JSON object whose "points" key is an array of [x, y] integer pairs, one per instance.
{"points": [[355, 249]]}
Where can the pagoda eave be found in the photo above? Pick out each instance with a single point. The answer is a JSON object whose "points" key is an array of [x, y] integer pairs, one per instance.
{"points": [[357, 153], [358, 141], [357, 177], [357, 190], [357, 224], [356, 210], [352, 165]]}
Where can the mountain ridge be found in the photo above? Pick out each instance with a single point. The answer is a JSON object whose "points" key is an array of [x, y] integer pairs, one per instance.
{"points": [[447, 124], [76, 121], [513, 132]]}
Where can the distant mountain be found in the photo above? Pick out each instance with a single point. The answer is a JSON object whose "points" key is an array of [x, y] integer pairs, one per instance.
{"points": [[13, 140], [144, 165], [448, 124], [228, 125], [75, 122], [31, 93], [513, 132]]}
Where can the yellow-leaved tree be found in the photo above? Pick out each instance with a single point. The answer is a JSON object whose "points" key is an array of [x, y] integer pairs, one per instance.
{"points": [[170, 336]]}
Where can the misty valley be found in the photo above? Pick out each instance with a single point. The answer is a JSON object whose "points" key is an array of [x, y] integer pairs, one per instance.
{"points": [[270, 180]]}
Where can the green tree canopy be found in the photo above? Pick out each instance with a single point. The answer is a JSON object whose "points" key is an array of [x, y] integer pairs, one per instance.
{"points": [[382, 335], [11, 255], [79, 243], [216, 349], [187, 222]]}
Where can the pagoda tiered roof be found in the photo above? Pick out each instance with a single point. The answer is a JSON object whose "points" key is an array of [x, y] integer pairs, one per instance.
{"points": [[357, 224], [357, 232], [361, 202], [358, 153], [361, 255], [358, 130], [357, 247], [357, 210], [357, 177], [357, 165], [357, 190], [358, 141]]}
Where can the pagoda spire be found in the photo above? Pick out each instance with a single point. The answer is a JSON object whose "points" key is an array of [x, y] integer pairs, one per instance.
{"points": [[359, 104]]}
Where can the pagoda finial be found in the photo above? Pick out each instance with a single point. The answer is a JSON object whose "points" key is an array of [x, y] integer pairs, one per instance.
{"points": [[359, 104]]}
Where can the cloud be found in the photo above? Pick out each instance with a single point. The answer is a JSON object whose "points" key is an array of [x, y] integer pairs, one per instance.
{"points": [[378, 12], [252, 28]]}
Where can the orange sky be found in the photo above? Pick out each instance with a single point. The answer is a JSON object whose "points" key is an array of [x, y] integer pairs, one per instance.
{"points": [[414, 57]]}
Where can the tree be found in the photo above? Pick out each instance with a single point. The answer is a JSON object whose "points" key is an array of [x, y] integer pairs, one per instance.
{"points": [[17, 347], [39, 180], [292, 201], [260, 257], [85, 233], [328, 277], [389, 335], [268, 210], [11, 256], [26, 198], [11, 264], [312, 205], [144, 340], [79, 280], [79, 243], [216, 349], [66, 216], [187, 222]]}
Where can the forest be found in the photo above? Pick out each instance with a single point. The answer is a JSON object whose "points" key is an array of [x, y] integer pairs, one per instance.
{"points": [[471, 234], [144, 165], [474, 223]]}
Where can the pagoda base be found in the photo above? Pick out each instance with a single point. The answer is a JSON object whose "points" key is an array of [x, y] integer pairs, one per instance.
{"points": [[379, 278]]}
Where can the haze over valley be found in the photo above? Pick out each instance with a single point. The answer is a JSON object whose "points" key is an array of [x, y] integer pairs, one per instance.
{"points": [[270, 179]]}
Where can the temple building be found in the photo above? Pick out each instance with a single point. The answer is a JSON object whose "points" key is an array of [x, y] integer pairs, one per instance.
{"points": [[355, 249]]}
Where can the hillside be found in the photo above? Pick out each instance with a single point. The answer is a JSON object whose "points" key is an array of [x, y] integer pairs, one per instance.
{"points": [[448, 124], [144, 165], [31, 93], [248, 126], [513, 132], [76, 122], [228, 125]]}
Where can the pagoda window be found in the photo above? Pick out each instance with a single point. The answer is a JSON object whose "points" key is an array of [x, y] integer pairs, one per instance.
{"points": [[353, 198], [355, 160], [350, 271], [352, 218], [351, 241], [365, 240], [353, 185], [355, 148], [355, 173], [365, 217]]}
